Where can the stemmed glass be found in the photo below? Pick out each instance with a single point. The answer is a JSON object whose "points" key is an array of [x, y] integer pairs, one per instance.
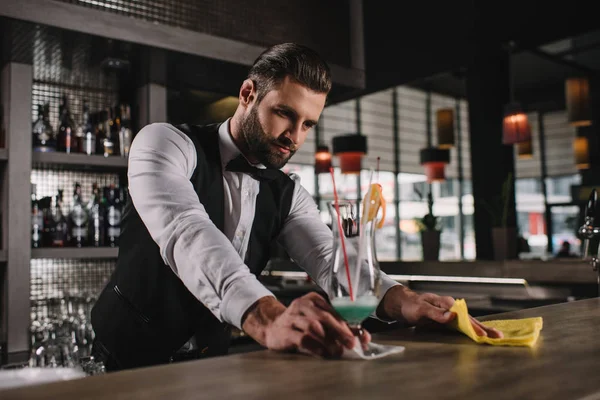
{"points": [[355, 274]]}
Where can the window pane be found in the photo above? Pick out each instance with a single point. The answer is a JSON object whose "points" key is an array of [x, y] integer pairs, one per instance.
{"points": [[530, 214], [559, 188], [565, 221], [306, 174]]}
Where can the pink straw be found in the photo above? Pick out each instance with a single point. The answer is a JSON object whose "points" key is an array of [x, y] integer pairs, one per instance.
{"points": [[341, 231]]}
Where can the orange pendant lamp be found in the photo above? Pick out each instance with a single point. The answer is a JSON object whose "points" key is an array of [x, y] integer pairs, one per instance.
{"points": [[445, 128], [577, 93], [434, 160], [322, 159], [581, 152], [515, 126], [350, 149]]}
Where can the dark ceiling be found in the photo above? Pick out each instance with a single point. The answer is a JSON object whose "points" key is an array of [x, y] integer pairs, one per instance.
{"points": [[429, 45]]}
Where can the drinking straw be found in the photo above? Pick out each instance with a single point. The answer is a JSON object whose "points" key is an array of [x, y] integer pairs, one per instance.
{"points": [[341, 231]]}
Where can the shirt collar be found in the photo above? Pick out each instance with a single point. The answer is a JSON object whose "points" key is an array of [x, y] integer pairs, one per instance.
{"points": [[227, 147]]}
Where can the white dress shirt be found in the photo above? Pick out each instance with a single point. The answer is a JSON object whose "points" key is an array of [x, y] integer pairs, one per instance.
{"points": [[210, 263]]}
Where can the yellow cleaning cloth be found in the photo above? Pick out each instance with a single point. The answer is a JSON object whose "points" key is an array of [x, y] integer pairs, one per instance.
{"points": [[517, 332]]}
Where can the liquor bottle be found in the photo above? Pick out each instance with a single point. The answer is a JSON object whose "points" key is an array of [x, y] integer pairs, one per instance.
{"points": [[43, 136], [88, 141], [78, 219], [96, 210], [66, 132], [113, 216], [45, 205], [125, 133], [108, 143], [37, 220], [60, 236]]}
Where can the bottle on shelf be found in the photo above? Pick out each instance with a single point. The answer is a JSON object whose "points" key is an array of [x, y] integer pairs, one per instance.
{"points": [[49, 227], [113, 215], [37, 220], [88, 136], [66, 141], [125, 133], [43, 135], [96, 211], [108, 144], [78, 219], [60, 236]]}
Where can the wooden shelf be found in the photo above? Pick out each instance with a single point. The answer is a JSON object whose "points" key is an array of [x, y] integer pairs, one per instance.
{"points": [[72, 252], [3, 154], [79, 161], [3, 255]]}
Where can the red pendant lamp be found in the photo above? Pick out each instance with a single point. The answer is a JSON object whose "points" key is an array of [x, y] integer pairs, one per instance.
{"points": [[350, 149], [515, 126], [434, 160], [322, 159]]}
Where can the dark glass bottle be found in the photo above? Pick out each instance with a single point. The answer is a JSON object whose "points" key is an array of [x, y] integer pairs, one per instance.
{"points": [[66, 140], [43, 136], [60, 236], [113, 216], [96, 224], [78, 219]]}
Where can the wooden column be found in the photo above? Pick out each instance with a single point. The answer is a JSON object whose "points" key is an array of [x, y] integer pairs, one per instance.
{"points": [[17, 80], [491, 162]]}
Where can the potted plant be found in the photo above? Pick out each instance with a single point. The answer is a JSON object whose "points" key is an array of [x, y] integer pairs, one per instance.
{"points": [[430, 228], [504, 237]]}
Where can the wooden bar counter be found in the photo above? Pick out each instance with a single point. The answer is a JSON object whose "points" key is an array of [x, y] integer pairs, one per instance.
{"points": [[437, 364]]}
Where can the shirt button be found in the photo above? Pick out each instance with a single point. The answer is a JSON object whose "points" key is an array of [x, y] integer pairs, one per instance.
{"points": [[246, 193]]}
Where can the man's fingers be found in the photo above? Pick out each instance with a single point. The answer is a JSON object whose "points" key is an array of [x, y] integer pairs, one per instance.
{"points": [[311, 326], [437, 314], [308, 344], [483, 330], [445, 302], [335, 328]]}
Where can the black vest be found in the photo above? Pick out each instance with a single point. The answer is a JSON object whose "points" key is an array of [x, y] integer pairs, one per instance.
{"points": [[145, 313]]}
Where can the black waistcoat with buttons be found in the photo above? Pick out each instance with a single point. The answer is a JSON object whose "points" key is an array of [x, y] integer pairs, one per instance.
{"points": [[146, 313]]}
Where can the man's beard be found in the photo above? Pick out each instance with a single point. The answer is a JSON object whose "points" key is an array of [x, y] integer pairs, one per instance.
{"points": [[262, 146]]}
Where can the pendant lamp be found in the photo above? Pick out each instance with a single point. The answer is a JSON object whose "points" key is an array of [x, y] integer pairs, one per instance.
{"points": [[434, 160], [577, 92], [350, 149], [515, 126], [322, 159], [581, 152], [445, 128]]}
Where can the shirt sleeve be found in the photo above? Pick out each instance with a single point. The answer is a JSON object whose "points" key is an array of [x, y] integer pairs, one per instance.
{"points": [[162, 160], [309, 241]]}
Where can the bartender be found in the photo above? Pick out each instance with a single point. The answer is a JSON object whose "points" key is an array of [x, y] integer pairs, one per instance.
{"points": [[206, 204]]}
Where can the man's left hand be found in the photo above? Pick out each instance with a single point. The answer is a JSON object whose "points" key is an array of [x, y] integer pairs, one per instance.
{"points": [[403, 304]]}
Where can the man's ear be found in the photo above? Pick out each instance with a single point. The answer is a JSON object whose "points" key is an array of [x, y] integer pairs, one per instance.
{"points": [[247, 93]]}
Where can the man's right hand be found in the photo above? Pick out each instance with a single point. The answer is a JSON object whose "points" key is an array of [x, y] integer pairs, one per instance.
{"points": [[308, 325]]}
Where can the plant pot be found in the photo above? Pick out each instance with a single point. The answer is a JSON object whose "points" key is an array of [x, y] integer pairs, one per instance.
{"points": [[430, 241], [504, 241]]}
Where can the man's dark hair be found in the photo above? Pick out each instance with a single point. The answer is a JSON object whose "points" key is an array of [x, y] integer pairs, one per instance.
{"points": [[300, 63]]}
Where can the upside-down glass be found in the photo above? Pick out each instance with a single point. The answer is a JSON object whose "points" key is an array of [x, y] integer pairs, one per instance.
{"points": [[353, 256]]}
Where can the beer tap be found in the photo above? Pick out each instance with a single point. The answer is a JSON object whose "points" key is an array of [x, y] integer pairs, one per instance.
{"points": [[590, 230]]}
